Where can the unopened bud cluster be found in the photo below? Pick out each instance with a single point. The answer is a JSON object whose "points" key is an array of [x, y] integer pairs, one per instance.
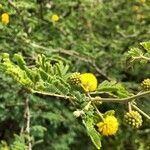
{"points": [[75, 78], [146, 84], [133, 118]]}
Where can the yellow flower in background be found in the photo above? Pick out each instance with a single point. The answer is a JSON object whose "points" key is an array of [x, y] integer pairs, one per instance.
{"points": [[88, 82], [5, 18], [142, 1], [55, 18], [108, 126], [140, 17], [136, 8]]}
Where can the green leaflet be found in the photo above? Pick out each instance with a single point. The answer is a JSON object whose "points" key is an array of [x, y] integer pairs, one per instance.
{"points": [[43, 74], [109, 113], [114, 87], [20, 61], [139, 54], [43, 77], [61, 69], [135, 52], [146, 46], [22, 65], [94, 135], [57, 68], [38, 131], [53, 117], [19, 143], [25, 5]]}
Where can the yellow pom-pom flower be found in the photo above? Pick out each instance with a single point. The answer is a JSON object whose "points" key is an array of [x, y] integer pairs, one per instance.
{"points": [[5, 18], [88, 82], [55, 18], [109, 126]]}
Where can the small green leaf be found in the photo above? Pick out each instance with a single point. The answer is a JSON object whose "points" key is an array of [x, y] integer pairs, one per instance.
{"points": [[43, 74], [113, 87], [20, 61], [38, 130], [146, 46], [109, 113], [135, 52], [94, 135]]}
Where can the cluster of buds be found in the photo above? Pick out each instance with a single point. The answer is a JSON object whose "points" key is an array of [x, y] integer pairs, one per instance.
{"points": [[133, 118], [146, 84], [75, 78]]}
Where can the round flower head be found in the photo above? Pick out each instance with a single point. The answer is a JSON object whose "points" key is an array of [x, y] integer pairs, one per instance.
{"points": [[134, 119], [108, 126], [75, 78], [146, 84], [5, 18], [88, 82], [55, 18]]}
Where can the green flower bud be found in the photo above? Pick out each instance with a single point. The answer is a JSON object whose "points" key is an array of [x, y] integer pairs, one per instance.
{"points": [[75, 78], [133, 118], [146, 84]]}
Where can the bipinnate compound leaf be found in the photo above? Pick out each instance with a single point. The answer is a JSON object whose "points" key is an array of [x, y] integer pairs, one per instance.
{"points": [[94, 135]]}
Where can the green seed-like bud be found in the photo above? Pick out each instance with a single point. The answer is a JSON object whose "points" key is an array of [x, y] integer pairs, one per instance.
{"points": [[133, 118], [75, 78], [146, 84]]}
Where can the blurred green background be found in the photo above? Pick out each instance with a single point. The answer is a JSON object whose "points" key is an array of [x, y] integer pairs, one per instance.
{"points": [[91, 36]]}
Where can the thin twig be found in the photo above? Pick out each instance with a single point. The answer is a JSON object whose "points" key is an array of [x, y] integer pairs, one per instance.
{"points": [[129, 106], [97, 98], [52, 94], [98, 112], [140, 111], [119, 100], [25, 129], [103, 92], [27, 117], [145, 58], [140, 58]]}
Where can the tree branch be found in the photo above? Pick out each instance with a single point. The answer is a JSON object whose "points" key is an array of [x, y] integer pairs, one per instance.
{"points": [[120, 100], [140, 111], [97, 98], [52, 94], [26, 125]]}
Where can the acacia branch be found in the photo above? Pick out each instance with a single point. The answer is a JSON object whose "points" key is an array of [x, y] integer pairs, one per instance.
{"points": [[26, 125], [52, 94], [98, 98], [140, 57], [145, 58], [120, 100], [140, 111]]}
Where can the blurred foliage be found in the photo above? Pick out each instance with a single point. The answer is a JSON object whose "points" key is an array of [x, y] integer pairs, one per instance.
{"points": [[90, 36]]}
